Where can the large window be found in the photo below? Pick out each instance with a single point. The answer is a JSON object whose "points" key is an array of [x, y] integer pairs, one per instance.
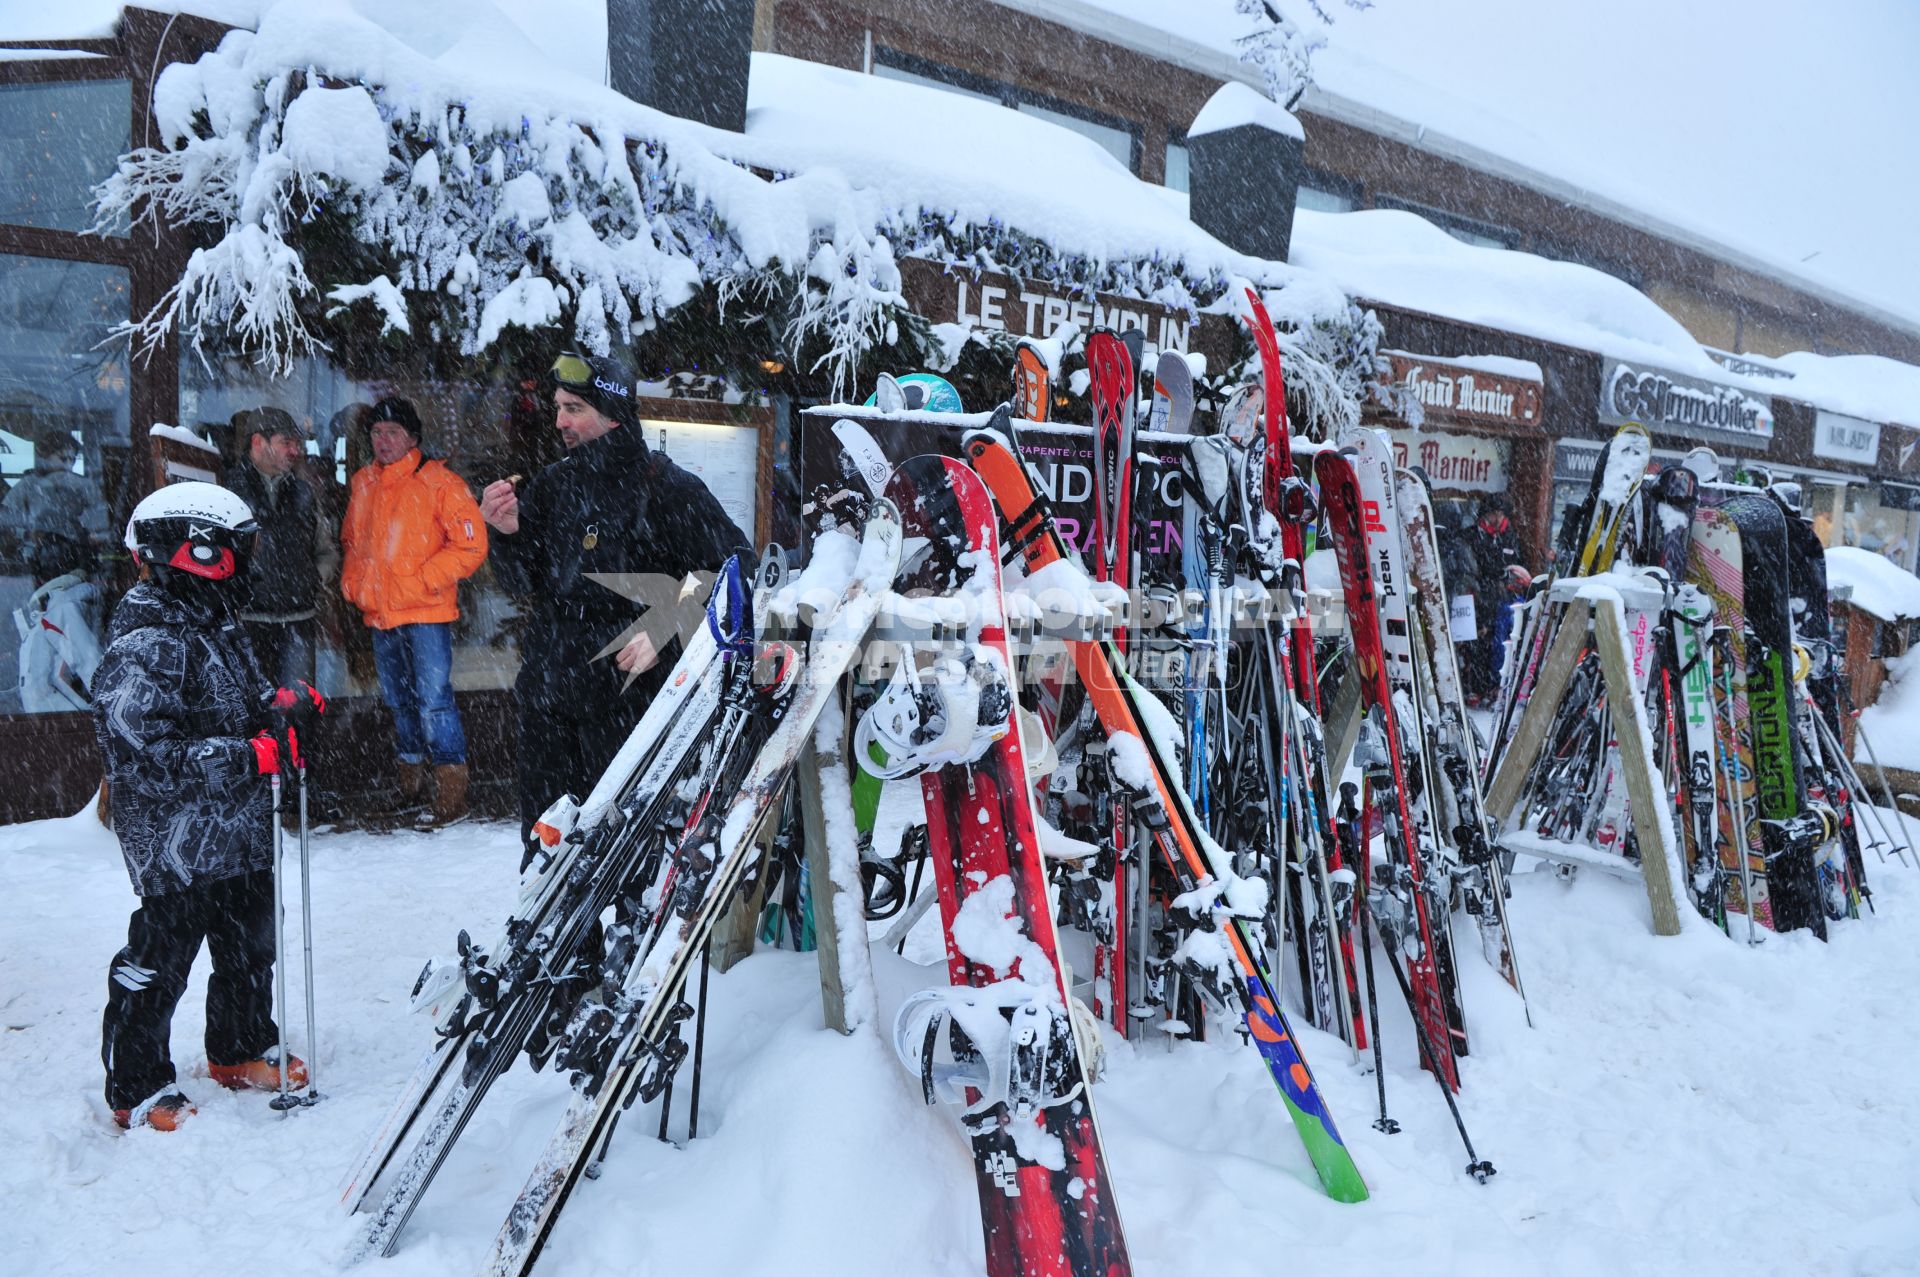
{"points": [[1323, 201], [63, 464], [56, 142], [1119, 137], [1179, 167]]}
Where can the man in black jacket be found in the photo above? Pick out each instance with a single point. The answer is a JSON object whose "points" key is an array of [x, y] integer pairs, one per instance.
{"points": [[296, 553], [610, 506], [1494, 544], [183, 716]]}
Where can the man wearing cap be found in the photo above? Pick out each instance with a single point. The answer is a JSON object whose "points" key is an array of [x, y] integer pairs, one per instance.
{"points": [[411, 534], [296, 553], [612, 505]]}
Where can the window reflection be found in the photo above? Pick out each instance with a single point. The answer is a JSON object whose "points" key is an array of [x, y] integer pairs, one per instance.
{"points": [[56, 142], [63, 457]]}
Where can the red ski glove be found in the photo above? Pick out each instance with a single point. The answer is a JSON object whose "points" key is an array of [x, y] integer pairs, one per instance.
{"points": [[266, 753]]}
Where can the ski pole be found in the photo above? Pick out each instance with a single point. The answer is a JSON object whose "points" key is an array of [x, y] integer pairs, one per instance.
{"points": [[1886, 789], [1857, 785], [283, 1101], [1477, 1167], [306, 937], [699, 1043], [1362, 858]]}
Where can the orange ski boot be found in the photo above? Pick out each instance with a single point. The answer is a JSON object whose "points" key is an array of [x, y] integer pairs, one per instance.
{"points": [[262, 1074], [162, 1113]]}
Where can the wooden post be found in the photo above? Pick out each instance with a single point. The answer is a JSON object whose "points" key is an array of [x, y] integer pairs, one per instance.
{"points": [[1645, 793], [826, 935], [1543, 705], [739, 927]]}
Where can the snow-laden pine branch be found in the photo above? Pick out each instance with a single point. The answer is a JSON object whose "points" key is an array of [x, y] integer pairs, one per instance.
{"points": [[351, 191]]}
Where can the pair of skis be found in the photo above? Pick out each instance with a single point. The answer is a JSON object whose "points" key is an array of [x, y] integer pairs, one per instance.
{"points": [[727, 730]]}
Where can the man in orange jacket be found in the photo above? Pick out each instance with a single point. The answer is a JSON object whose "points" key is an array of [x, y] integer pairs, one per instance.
{"points": [[412, 533]]}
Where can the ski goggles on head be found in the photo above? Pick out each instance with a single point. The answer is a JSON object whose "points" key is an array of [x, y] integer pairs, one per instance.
{"points": [[598, 381], [571, 369]]}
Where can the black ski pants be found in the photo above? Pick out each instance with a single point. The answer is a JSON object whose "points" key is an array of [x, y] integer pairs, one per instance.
{"points": [[235, 918], [564, 749]]}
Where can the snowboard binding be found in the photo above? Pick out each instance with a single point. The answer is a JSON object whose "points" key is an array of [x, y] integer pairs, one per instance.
{"points": [[950, 712], [1007, 1044]]}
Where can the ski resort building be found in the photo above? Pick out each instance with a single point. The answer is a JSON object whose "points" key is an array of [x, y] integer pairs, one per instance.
{"points": [[755, 206]]}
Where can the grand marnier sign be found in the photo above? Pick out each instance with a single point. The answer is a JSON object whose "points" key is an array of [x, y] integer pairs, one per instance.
{"points": [[1463, 393], [1676, 404]]}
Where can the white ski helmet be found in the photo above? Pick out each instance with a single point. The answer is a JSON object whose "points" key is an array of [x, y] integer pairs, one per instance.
{"points": [[199, 528]]}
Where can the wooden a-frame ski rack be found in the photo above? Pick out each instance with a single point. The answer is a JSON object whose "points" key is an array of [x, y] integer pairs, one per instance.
{"points": [[1597, 616]]}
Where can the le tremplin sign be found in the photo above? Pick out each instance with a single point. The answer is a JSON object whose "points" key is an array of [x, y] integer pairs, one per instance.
{"points": [[993, 302], [1676, 404]]}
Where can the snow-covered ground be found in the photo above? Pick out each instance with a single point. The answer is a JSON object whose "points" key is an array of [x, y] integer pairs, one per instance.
{"points": [[1681, 1105]]}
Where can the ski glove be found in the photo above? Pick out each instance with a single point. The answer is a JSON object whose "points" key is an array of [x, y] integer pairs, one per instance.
{"points": [[266, 753], [300, 705]]}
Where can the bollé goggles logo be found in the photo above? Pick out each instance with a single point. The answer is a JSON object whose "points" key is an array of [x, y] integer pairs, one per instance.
{"points": [[611, 387]]}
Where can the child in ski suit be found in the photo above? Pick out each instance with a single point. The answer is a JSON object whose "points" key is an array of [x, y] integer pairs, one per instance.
{"points": [[184, 719]]}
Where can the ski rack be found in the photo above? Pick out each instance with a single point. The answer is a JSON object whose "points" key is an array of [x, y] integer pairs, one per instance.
{"points": [[1594, 610]]}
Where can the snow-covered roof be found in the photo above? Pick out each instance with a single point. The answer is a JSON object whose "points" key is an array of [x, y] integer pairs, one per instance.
{"points": [[1404, 260], [1880, 586], [1632, 109]]}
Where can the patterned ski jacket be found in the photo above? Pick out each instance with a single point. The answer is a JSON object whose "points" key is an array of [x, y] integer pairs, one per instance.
{"points": [[412, 534], [175, 700]]}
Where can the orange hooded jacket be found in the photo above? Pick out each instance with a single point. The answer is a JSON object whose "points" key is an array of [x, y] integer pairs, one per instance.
{"points": [[412, 533]]}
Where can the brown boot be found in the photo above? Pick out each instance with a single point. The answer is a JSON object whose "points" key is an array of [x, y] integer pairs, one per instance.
{"points": [[412, 781], [449, 793], [410, 785]]}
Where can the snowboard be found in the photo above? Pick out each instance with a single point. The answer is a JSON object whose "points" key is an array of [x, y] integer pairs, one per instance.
{"points": [[1001, 1041]]}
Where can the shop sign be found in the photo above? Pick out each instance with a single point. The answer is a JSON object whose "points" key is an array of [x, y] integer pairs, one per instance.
{"points": [[1674, 403], [1454, 462], [992, 302], [1575, 462], [1746, 367], [1456, 392], [1843, 438]]}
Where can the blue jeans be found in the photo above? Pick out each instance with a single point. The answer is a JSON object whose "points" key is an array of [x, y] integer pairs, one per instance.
{"points": [[416, 681]]}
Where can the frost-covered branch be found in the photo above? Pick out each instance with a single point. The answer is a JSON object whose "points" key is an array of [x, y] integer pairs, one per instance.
{"points": [[332, 204], [1282, 46]]}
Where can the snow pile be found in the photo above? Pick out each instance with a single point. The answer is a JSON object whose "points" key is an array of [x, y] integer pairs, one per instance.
{"points": [[1638, 1087], [1880, 586], [1233, 105], [1892, 723], [484, 189]]}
